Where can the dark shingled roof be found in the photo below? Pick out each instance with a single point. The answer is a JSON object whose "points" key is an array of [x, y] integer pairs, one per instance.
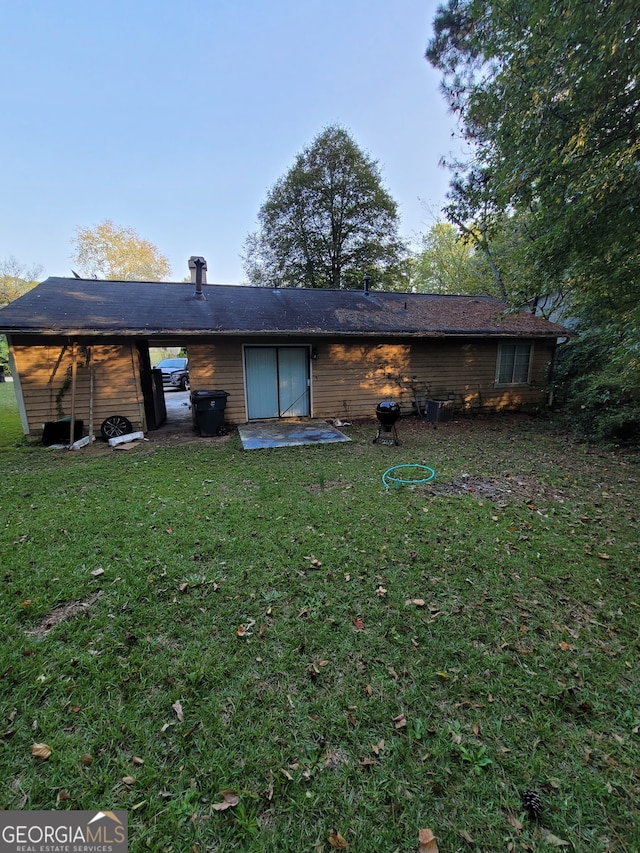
{"points": [[80, 307]]}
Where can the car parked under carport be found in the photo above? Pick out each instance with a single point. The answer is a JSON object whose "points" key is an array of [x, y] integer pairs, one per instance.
{"points": [[175, 373]]}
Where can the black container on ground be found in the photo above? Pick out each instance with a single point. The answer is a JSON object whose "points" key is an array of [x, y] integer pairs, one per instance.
{"points": [[207, 408], [59, 432]]}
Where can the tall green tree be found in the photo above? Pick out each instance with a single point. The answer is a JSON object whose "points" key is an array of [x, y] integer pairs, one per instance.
{"points": [[109, 251], [16, 279], [448, 263], [466, 262], [548, 94], [327, 222]]}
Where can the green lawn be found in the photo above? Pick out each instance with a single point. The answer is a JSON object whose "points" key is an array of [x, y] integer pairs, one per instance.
{"points": [[277, 624]]}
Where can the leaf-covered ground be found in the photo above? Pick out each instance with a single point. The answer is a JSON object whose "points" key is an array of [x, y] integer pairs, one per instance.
{"points": [[269, 651]]}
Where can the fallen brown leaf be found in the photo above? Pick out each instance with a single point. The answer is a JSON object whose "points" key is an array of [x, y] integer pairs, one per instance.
{"points": [[552, 839], [269, 791], [515, 823], [41, 750], [455, 737], [177, 707], [377, 747], [244, 630], [129, 780], [359, 624], [427, 841], [229, 799], [400, 721], [337, 841]]}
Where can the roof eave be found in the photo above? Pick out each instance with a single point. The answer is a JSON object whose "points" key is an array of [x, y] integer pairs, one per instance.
{"points": [[192, 333]]}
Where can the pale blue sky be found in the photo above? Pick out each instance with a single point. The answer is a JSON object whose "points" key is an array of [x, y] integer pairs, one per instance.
{"points": [[175, 118]]}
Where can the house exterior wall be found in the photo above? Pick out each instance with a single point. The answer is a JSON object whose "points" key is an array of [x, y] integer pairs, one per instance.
{"points": [[350, 377], [45, 382], [216, 365]]}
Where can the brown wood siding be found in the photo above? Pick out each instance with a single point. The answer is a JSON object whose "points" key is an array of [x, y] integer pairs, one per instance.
{"points": [[467, 370], [216, 365], [45, 380], [349, 378]]}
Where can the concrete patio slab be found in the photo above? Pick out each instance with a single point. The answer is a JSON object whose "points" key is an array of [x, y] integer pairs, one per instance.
{"points": [[258, 435]]}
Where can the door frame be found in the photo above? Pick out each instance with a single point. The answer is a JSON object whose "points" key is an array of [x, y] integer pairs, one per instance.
{"points": [[278, 346]]}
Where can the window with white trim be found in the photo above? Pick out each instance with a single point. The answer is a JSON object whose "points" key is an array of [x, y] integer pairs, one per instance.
{"points": [[514, 364]]}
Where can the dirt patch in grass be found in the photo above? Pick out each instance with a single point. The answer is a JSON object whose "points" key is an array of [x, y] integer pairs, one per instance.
{"points": [[64, 613], [172, 436], [506, 489]]}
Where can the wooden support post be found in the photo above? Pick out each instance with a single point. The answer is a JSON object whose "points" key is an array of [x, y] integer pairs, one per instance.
{"points": [[74, 375], [90, 362]]}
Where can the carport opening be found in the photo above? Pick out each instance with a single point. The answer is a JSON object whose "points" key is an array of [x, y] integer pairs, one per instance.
{"points": [[174, 364], [170, 365]]}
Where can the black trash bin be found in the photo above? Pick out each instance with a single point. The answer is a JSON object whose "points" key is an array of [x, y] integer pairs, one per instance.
{"points": [[207, 408]]}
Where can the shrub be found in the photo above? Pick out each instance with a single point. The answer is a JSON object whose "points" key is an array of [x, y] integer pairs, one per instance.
{"points": [[599, 374]]}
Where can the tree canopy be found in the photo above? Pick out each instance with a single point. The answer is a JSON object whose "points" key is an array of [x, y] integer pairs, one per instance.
{"points": [[548, 96], [327, 222], [447, 263], [109, 251], [16, 279]]}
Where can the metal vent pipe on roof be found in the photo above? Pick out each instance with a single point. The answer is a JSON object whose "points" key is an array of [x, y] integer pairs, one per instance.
{"points": [[198, 267], [366, 283]]}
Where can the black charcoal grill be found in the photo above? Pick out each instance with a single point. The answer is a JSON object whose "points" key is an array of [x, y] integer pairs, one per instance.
{"points": [[387, 413]]}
